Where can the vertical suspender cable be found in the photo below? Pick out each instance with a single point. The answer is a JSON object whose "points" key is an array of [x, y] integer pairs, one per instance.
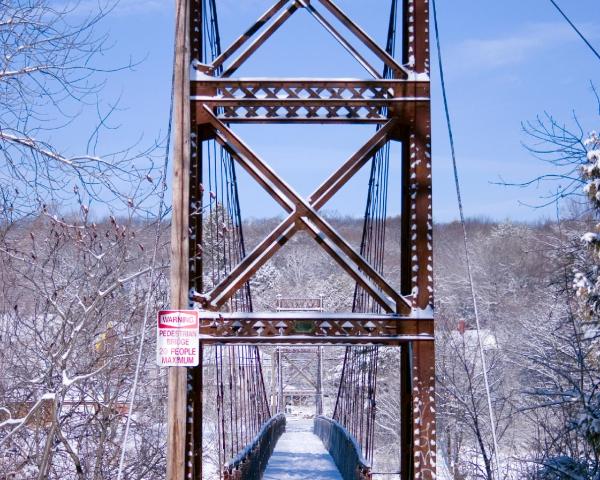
{"points": [[241, 395], [355, 404], [577, 31], [466, 243], [150, 293]]}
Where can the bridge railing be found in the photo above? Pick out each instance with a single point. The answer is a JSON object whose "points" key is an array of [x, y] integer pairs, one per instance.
{"points": [[344, 449], [251, 462]]}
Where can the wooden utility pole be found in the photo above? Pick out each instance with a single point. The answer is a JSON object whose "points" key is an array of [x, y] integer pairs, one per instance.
{"points": [[176, 422]]}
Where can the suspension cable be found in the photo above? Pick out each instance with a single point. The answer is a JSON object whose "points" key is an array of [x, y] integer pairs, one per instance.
{"points": [[466, 241], [150, 293], [355, 406], [574, 27], [241, 400]]}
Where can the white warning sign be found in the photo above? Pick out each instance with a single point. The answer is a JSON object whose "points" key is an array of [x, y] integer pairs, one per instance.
{"points": [[177, 338]]}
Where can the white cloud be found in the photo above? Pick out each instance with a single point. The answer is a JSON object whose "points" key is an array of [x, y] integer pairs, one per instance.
{"points": [[515, 47]]}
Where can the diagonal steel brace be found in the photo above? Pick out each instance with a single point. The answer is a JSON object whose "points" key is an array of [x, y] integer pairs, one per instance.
{"points": [[304, 213]]}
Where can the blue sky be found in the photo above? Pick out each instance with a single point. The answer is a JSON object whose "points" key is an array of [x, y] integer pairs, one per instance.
{"points": [[506, 62]]}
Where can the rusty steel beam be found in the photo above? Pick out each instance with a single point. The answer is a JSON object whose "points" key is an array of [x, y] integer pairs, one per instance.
{"points": [[423, 443], [399, 71], [330, 111], [262, 38], [340, 38], [208, 317], [415, 35], [418, 360], [194, 388], [308, 102], [391, 340], [242, 39]]}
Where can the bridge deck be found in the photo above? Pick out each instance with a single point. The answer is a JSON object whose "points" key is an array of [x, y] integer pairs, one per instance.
{"points": [[300, 455]]}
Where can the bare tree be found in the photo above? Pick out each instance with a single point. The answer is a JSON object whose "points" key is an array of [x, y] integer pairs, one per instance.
{"points": [[71, 320], [560, 354], [74, 286], [51, 77]]}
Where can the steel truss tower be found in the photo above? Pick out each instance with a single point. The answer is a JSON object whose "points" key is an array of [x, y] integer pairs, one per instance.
{"points": [[209, 100]]}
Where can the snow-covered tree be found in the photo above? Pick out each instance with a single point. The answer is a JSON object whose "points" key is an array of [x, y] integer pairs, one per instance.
{"points": [[72, 315], [52, 74], [562, 397]]}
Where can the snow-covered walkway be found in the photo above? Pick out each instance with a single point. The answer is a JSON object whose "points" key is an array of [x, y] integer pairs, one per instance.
{"points": [[300, 455]]}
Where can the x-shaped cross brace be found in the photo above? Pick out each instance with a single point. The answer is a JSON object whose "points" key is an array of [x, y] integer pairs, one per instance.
{"points": [[298, 372], [284, 14], [302, 214]]}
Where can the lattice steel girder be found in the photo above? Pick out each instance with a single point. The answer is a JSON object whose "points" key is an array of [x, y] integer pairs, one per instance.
{"points": [[311, 327], [302, 350], [305, 393], [306, 100], [299, 304]]}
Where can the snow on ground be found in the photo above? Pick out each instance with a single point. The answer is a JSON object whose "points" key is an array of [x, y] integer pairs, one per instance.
{"points": [[300, 455]]}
